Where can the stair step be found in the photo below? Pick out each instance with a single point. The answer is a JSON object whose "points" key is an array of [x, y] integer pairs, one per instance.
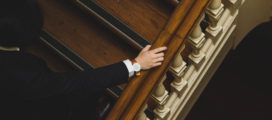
{"points": [[83, 35], [114, 23], [139, 22]]}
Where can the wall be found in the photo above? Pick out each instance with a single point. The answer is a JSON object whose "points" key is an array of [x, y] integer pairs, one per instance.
{"points": [[252, 13]]}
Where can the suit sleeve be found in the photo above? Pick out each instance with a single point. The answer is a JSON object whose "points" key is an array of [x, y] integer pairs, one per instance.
{"points": [[51, 83]]}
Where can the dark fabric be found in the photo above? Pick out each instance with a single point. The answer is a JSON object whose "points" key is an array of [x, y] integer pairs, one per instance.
{"points": [[30, 90], [21, 22]]}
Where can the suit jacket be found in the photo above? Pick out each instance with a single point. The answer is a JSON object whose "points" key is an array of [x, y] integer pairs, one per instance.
{"points": [[29, 89]]}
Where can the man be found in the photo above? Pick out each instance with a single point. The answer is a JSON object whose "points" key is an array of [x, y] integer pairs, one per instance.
{"points": [[30, 90]]}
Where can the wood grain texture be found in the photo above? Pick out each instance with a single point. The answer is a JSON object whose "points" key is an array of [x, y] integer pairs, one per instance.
{"points": [[162, 40], [146, 17], [83, 34], [153, 77]]}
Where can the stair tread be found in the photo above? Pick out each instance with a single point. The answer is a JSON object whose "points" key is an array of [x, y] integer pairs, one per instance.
{"points": [[146, 17], [91, 41]]}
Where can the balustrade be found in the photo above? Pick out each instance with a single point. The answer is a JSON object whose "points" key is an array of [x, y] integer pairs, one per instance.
{"points": [[191, 61]]}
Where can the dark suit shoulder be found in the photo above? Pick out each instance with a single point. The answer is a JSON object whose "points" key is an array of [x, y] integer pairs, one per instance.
{"points": [[19, 67], [20, 60]]}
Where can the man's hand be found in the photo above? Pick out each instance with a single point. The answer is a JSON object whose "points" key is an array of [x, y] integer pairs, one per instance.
{"points": [[150, 58]]}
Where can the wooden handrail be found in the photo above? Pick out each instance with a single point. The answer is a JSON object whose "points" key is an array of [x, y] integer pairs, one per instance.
{"points": [[174, 45], [134, 84], [172, 36]]}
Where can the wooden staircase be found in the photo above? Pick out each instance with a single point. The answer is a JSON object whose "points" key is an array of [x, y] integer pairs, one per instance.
{"points": [[93, 33]]}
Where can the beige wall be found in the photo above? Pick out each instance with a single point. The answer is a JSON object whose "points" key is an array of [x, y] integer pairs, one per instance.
{"points": [[252, 13]]}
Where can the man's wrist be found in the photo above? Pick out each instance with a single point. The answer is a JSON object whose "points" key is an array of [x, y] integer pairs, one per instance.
{"points": [[129, 66]]}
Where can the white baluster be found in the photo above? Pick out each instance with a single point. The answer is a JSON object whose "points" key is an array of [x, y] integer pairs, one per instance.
{"points": [[178, 69], [178, 65], [160, 96], [197, 39], [179, 85], [160, 93], [214, 12], [161, 112], [215, 4]]}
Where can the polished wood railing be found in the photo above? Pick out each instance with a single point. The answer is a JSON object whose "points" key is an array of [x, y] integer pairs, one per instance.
{"points": [[173, 35]]}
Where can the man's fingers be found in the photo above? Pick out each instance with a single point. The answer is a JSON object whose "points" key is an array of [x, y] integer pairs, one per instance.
{"points": [[160, 49], [160, 59], [146, 48], [158, 55], [156, 64]]}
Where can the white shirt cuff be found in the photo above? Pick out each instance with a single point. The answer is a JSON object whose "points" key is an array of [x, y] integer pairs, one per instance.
{"points": [[129, 67]]}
